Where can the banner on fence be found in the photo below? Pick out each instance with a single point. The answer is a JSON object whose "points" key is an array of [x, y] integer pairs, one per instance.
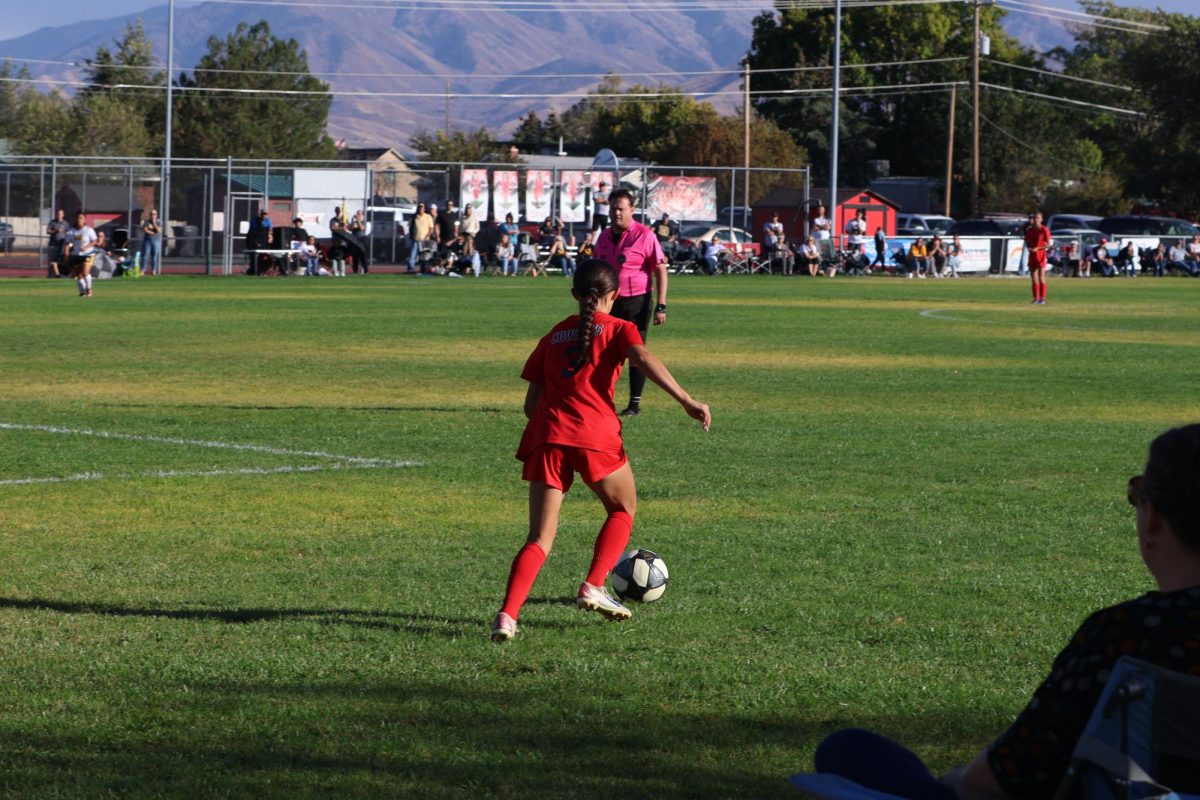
{"points": [[598, 178], [683, 197], [572, 196], [474, 191], [504, 194], [538, 191]]}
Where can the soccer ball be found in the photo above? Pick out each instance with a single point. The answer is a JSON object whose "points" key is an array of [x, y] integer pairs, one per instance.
{"points": [[640, 575]]}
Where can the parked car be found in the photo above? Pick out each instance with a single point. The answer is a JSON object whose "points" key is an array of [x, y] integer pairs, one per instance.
{"points": [[7, 237], [734, 239], [932, 223], [988, 227], [741, 216], [1146, 232], [1077, 221]]}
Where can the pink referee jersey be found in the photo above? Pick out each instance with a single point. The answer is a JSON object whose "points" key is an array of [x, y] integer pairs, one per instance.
{"points": [[634, 256]]}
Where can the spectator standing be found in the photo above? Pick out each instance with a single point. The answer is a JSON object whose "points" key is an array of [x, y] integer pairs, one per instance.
{"points": [[819, 224], [420, 230], [1037, 247], [151, 244], [514, 233], [258, 237], [600, 208], [633, 250], [1126, 261], [337, 251], [470, 223], [57, 231], [358, 228], [773, 243], [856, 231], [312, 259], [447, 228], [880, 249]]}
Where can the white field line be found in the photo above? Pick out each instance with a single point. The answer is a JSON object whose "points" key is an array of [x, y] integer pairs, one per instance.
{"points": [[179, 473], [935, 313], [342, 461], [253, 448]]}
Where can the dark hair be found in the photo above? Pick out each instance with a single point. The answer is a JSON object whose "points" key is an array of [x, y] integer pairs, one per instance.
{"points": [[614, 196], [593, 279], [1171, 482]]}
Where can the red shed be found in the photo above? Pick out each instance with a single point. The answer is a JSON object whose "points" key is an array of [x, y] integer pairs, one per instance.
{"points": [[789, 202]]}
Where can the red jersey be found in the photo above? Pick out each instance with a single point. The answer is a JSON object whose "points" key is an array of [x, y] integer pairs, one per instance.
{"points": [[1038, 237], [576, 408]]}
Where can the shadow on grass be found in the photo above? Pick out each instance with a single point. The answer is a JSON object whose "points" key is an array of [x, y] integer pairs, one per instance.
{"points": [[398, 621], [435, 740]]}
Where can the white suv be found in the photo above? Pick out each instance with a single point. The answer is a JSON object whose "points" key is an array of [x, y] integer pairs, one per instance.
{"points": [[932, 222]]}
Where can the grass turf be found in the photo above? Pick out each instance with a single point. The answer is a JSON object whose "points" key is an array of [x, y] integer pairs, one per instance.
{"points": [[911, 494]]}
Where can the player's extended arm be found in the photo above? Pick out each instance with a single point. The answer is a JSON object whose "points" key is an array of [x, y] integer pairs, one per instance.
{"points": [[533, 396], [657, 371], [660, 286]]}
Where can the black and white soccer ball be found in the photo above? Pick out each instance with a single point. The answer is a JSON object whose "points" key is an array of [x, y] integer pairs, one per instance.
{"points": [[639, 575]]}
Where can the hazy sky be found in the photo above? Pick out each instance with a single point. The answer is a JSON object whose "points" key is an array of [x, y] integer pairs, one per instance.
{"points": [[22, 17]]}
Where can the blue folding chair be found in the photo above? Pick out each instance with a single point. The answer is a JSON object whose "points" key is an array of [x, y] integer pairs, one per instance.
{"points": [[1142, 742]]}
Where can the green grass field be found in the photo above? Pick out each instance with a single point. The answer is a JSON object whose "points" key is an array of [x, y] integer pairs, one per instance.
{"points": [[911, 494]]}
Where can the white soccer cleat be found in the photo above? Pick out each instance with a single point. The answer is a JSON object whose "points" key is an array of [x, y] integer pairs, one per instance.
{"points": [[597, 598], [504, 628]]}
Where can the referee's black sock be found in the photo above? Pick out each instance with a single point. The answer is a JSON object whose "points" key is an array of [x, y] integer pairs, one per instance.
{"points": [[635, 402]]}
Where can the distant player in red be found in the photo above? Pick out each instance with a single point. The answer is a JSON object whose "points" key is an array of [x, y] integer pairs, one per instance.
{"points": [[1037, 245], [573, 427]]}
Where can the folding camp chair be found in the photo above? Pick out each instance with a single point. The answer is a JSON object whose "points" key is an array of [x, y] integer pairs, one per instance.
{"points": [[1143, 736]]}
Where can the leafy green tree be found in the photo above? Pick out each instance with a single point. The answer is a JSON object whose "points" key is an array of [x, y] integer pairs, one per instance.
{"points": [[46, 125], [110, 74], [10, 100], [529, 135], [103, 126], [214, 123]]}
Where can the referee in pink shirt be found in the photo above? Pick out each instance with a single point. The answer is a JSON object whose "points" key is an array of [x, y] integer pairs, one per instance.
{"points": [[634, 252]]}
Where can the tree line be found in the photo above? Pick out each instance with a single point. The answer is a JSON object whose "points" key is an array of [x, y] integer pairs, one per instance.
{"points": [[898, 61]]}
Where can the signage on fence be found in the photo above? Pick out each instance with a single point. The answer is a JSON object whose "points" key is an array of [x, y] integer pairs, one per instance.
{"points": [[683, 197], [474, 191], [572, 196], [504, 194], [538, 192]]}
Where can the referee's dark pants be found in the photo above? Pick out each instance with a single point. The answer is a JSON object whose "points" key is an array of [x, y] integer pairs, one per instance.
{"points": [[636, 310]]}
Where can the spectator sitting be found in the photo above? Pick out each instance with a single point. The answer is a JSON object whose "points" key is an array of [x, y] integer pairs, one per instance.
{"points": [[1126, 261], [1100, 256], [312, 258], [710, 252], [506, 255], [937, 256], [464, 255], [1031, 758], [546, 231], [1156, 260], [1179, 258], [810, 254], [560, 257], [918, 259], [954, 256]]}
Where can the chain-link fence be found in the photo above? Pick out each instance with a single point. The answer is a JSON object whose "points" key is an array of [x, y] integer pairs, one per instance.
{"points": [[210, 205]]}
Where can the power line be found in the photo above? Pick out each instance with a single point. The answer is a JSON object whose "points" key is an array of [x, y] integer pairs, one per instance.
{"points": [[1066, 100], [1028, 146], [1060, 75], [1027, 7]]}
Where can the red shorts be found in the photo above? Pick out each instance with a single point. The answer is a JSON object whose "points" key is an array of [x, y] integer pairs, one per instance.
{"points": [[556, 464]]}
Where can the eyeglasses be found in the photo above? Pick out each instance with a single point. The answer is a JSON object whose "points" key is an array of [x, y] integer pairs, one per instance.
{"points": [[1134, 491]]}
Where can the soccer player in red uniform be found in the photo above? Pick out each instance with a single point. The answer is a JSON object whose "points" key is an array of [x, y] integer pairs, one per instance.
{"points": [[573, 427], [1037, 245]]}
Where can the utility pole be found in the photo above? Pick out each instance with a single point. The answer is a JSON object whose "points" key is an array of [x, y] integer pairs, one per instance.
{"points": [[975, 115], [746, 139], [833, 137], [950, 149], [164, 180]]}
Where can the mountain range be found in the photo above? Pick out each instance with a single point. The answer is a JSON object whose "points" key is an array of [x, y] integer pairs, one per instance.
{"points": [[484, 59]]}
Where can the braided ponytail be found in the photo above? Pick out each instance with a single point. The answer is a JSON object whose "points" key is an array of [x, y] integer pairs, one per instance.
{"points": [[593, 279]]}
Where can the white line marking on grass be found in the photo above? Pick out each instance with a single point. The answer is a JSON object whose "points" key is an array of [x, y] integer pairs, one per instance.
{"points": [[935, 313], [253, 448], [181, 473]]}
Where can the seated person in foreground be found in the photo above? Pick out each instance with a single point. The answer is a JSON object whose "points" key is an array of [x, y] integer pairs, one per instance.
{"points": [[1161, 627]]}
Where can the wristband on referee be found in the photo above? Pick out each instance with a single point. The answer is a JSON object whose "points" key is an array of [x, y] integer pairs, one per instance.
{"points": [[661, 308]]}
